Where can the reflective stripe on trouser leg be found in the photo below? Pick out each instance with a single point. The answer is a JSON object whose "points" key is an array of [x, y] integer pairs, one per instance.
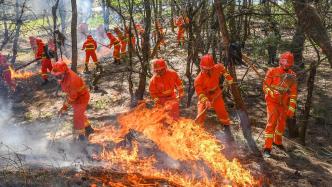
{"points": [[268, 141], [281, 125], [220, 109], [272, 120]]}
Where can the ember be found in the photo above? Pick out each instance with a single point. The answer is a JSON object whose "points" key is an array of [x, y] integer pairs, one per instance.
{"points": [[184, 141]]}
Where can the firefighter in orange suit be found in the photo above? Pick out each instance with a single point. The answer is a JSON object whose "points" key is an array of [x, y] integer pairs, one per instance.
{"points": [[208, 91], [180, 23], [280, 88], [46, 63], [5, 73], [77, 96], [123, 38], [90, 47], [117, 47], [159, 34], [162, 88]]}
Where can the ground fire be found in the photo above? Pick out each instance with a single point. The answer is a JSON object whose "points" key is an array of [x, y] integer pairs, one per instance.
{"points": [[176, 93], [196, 152], [21, 74]]}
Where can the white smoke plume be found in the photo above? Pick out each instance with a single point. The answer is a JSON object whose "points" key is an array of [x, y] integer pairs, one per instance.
{"points": [[31, 144]]}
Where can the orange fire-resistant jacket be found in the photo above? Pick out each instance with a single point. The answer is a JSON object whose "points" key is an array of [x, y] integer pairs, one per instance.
{"points": [[78, 96], [207, 87], [89, 45], [40, 50], [280, 87], [117, 46], [162, 87]]}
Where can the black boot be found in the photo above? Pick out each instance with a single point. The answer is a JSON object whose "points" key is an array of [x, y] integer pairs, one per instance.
{"points": [[267, 153], [88, 131], [45, 82], [116, 61], [82, 138], [86, 69]]}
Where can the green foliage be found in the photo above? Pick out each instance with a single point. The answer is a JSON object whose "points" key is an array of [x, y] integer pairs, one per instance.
{"points": [[95, 20], [102, 103]]}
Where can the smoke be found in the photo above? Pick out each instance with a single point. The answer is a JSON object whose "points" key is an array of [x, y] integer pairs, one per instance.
{"points": [[34, 144], [84, 8]]}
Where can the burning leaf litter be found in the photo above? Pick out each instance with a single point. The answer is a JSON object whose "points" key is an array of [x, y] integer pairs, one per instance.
{"points": [[21, 74], [183, 141]]}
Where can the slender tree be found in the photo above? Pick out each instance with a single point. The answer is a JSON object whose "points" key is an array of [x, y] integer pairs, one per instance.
{"points": [[74, 36]]}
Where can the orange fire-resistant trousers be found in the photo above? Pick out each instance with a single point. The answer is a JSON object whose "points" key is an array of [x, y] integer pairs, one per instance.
{"points": [[7, 77], [171, 105], [79, 107], [123, 47], [180, 36], [219, 108], [92, 54], [116, 52], [46, 65], [276, 124]]}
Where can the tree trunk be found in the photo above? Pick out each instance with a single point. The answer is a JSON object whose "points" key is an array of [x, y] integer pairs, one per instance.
{"points": [[5, 32], [312, 25], [231, 23], [172, 16], [74, 36], [54, 8], [106, 14], [130, 47], [307, 106], [63, 15], [17, 29], [240, 107], [297, 49], [146, 51], [298, 45]]}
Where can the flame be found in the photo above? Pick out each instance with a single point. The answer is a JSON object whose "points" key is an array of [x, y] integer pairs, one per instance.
{"points": [[20, 74], [182, 140]]}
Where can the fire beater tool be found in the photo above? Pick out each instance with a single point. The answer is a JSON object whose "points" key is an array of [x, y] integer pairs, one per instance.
{"points": [[27, 64]]}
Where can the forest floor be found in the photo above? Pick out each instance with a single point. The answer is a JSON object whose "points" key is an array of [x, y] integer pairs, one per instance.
{"points": [[33, 110]]}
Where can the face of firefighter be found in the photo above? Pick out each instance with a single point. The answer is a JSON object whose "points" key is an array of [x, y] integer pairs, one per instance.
{"points": [[160, 72], [284, 65], [206, 71]]}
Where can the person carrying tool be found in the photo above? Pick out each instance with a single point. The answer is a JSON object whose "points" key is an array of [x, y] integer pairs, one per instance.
{"points": [[78, 97], [181, 23], [46, 63], [117, 47], [132, 38], [5, 73], [280, 88], [158, 34], [162, 88], [208, 91], [90, 46], [123, 40]]}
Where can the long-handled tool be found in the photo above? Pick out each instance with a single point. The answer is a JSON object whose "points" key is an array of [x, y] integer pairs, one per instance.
{"points": [[200, 114], [27, 64], [56, 121]]}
